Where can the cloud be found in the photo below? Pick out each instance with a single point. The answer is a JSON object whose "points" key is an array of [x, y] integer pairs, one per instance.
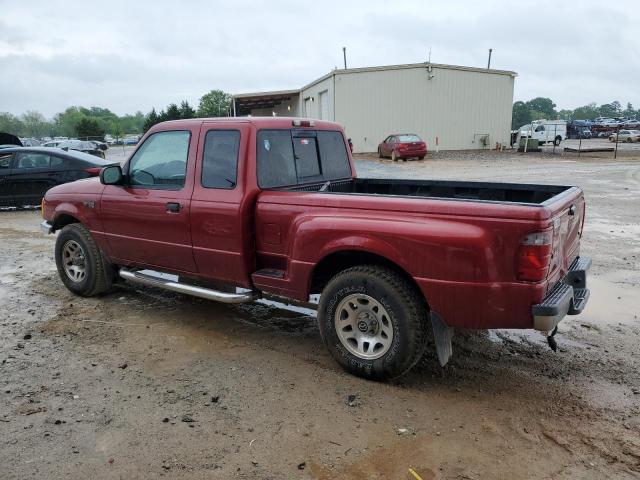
{"points": [[135, 55]]}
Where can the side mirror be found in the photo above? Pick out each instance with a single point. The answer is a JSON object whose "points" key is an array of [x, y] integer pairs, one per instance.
{"points": [[111, 175]]}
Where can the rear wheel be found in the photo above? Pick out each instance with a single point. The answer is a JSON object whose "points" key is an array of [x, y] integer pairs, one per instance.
{"points": [[629, 140], [557, 141], [373, 321], [81, 265]]}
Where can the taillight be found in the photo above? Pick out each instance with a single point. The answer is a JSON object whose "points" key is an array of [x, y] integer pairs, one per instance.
{"points": [[93, 171], [302, 123], [534, 256]]}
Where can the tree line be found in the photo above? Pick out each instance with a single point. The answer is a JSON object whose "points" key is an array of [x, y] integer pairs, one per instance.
{"points": [[216, 103], [95, 122], [73, 122], [544, 108]]}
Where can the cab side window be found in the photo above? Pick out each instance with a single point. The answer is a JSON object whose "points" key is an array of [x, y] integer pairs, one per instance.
{"points": [[220, 159], [161, 162]]}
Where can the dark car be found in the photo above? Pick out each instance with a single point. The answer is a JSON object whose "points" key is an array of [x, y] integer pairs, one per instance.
{"points": [[26, 173], [402, 145], [82, 146]]}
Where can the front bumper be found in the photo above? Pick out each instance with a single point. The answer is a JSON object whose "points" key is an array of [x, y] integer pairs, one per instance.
{"points": [[46, 227], [568, 297]]}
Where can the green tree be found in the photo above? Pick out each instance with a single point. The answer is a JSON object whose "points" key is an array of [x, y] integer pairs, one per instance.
{"points": [[214, 104], [612, 109], [565, 115], [116, 130], [151, 120], [586, 112], [89, 128], [544, 106], [172, 113], [521, 115], [11, 124], [186, 111], [66, 122], [35, 125]]}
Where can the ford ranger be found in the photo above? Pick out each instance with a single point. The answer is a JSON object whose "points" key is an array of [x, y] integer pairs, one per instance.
{"points": [[239, 208]]}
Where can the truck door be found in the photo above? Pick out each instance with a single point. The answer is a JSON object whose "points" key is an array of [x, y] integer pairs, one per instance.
{"points": [[146, 220], [31, 177], [5, 175], [221, 210]]}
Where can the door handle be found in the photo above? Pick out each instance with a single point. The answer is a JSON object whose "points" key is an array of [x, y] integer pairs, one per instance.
{"points": [[173, 207]]}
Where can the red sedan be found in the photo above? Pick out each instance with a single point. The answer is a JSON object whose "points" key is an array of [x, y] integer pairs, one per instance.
{"points": [[402, 145]]}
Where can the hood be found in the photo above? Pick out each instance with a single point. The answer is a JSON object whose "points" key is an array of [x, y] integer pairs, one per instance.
{"points": [[8, 139], [85, 186]]}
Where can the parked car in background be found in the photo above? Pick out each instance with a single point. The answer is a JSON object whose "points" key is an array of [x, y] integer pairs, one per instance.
{"points": [[79, 146], [100, 145], [628, 136], [26, 173], [52, 144], [584, 133], [7, 140], [402, 146], [130, 141]]}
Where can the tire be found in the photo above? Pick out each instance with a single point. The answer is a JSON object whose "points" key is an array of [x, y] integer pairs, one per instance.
{"points": [[629, 140], [81, 265], [421, 158], [557, 141], [390, 298], [394, 156], [380, 153]]}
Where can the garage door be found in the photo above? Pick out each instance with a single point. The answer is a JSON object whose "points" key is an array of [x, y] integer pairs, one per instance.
{"points": [[324, 105]]}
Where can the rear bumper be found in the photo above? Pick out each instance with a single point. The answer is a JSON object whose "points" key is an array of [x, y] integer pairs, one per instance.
{"points": [[412, 153], [568, 297]]}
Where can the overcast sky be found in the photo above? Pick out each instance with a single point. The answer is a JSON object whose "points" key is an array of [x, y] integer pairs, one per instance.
{"points": [[129, 56]]}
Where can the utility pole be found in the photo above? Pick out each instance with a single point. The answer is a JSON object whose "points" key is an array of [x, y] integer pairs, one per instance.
{"points": [[489, 62], [344, 56]]}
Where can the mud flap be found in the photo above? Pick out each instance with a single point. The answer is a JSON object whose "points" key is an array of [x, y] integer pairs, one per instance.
{"points": [[442, 335]]}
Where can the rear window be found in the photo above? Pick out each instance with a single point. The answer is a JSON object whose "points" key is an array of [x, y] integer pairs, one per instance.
{"points": [[290, 157], [409, 138]]}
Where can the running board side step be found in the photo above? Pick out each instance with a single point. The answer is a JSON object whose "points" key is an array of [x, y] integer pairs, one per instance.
{"points": [[193, 290]]}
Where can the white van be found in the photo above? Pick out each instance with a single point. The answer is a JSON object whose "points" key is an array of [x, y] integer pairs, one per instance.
{"points": [[545, 131]]}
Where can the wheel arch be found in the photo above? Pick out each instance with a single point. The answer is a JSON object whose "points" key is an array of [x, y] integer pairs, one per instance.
{"points": [[64, 219], [340, 260]]}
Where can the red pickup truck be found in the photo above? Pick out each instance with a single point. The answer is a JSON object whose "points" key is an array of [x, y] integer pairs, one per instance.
{"points": [[240, 208]]}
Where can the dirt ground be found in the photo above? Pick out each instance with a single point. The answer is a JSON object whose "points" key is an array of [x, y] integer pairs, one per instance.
{"points": [[142, 383]]}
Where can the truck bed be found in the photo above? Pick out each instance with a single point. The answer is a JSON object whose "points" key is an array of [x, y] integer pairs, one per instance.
{"points": [[519, 193]]}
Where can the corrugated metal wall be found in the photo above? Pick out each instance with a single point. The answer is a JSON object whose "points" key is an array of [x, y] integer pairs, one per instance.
{"points": [[310, 99], [457, 106]]}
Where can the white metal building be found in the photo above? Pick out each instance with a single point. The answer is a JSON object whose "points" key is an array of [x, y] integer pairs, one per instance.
{"points": [[455, 107]]}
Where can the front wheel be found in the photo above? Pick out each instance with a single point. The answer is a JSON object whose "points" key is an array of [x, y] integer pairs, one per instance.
{"points": [[380, 153], [81, 265], [629, 140], [557, 141], [373, 321], [394, 156]]}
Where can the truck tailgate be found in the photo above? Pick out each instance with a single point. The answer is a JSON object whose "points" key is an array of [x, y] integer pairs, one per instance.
{"points": [[568, 218]]}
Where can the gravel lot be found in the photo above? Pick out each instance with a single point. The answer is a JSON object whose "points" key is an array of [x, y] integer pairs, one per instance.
{"points": [[142, 383]]}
